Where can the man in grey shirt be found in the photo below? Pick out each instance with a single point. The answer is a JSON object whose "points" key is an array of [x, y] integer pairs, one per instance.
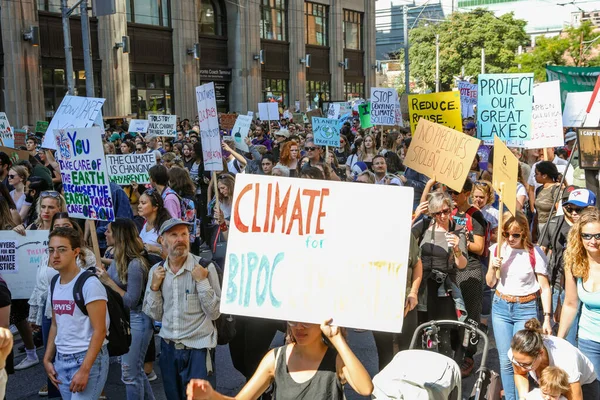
{"points": [[185, 296]]}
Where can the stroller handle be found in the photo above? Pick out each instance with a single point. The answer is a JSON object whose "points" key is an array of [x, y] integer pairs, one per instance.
{"points": [[439, 323]]}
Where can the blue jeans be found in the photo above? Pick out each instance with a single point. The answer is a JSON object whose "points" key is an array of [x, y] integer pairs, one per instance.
{"points": [[67, 365], [508, 319], [572, 334], [591, 349], [136, 382], [179, 366], [591, 391]]}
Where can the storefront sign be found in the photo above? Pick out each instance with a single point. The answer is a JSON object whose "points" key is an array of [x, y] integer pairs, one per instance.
{"points": [[215, 74]]}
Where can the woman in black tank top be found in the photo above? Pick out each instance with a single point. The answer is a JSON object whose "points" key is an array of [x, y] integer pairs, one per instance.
{"points": [[305, 369]]}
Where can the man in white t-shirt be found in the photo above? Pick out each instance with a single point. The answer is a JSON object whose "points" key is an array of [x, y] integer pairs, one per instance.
{"points": [[76, 358]]}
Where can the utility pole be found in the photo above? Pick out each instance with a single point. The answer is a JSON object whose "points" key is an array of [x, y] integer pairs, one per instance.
{"points": [[406, 62], [580, 49], [66, 13], [87, 50], [437, 63], [482, 60]]}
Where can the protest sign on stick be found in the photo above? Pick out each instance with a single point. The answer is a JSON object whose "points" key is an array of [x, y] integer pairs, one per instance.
{"points": [[14, 154], [240, 132], [504, 105], [364, 113], [126, 168], [313, 113], [442, 108], [209, 127], [162, 125], [334, 111], [574, 113], [439, 151], [506, 170], [138, 125], [268, 111], [73, 112], [295, 278], [227, 121], [6, 132], [383, 106], [326, 132], [468, 98], [588, 140], [80, 156]]}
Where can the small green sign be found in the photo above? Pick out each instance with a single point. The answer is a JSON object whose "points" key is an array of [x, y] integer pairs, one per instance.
{"points": [[364, 112], [41, 126]]}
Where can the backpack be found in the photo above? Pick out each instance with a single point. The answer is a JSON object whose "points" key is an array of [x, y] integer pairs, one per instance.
{"points": [[556, 258], [488, 232], [188, 213], [119, 331]]}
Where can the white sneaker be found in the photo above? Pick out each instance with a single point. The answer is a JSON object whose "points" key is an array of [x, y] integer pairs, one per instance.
{"points": [[26, 363], [152, 376]]}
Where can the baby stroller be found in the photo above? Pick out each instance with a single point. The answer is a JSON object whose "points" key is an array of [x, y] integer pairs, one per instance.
{"points": [[419, 374]]}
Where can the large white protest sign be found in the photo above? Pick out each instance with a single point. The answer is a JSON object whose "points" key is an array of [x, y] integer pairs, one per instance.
{"points": [[209, 127], [334, 111], [383, 106], [468, 98], [73, 112], [6, 132], [240, 131], [268, 111], [20, 257], [288, 259], [126, 168], [546, 117], [138, 126], [162, 125], [574, 113], [80, 156]]}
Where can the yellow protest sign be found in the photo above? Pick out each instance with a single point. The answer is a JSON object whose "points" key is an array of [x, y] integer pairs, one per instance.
{"points": [[442, 108], [506, 172], [439, 151]]}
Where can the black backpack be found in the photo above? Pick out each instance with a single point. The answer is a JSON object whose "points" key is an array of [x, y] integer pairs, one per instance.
{"points": [[119, 331]]}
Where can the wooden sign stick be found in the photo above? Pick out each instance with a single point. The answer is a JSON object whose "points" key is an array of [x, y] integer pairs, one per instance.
{"points": [[500, 225], [545, 150], [92, 230], [216, 189]]}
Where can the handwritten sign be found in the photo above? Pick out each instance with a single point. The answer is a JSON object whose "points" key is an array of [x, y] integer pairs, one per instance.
{"points": [[295, 279], [126, 168], [6, 132], [162, 125], [442, 108], [139, 125], [227, 121], [334, 111], [574, 113], [589, 147], [313, 113], [504, 105], [209, 127], [268, 111], [80, 156], [14, 154], [468, 98], [546, 118], [73, 112], [364, 113], [41, 126], [326, 132], [383, 106], [20, 257], [506, 169], [240, 132], [439, 151]]}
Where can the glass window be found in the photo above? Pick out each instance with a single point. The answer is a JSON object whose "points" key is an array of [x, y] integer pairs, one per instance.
{"points": [[55, 87], [149, 12], [212, 18], [148, 97], [273, 18], [317, 92], [352, 30], [54, 6], [353, 90], [275, 90], [316, 23]]}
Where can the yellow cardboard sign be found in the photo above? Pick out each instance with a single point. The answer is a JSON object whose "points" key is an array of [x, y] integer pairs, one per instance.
{"points": [[439, 151], [442, 108], [506, 171]]}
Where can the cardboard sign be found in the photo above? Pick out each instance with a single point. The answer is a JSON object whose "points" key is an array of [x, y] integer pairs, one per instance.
{"points": [[326, 132], [334, 111], [439, 151], [297, 106], [6, 132], [240, 132], [20, 138], [227, 121], [589, 147], [345, 108], [442, 108], [14, 154], [364, 113], [20, 257], [138, 125], [73, 112], [506, 170], [162, 125], [41, 126], [126, 168], [297, 118], [504, 105], [546, 117], [313, 113], [294, 278], [268, 111], [80, 156], [468, 98], [209, 127], [383, 106]]}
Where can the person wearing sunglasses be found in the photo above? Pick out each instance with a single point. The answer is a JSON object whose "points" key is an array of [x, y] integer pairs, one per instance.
{"points": [[582, 284], [523, 274], [531, 352], [315, 365]]}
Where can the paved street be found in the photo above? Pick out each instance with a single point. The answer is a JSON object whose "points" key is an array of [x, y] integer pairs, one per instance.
{"points": [[25, 384]]}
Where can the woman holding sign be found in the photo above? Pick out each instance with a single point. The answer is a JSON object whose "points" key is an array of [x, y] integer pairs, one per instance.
{"points": [[152, 209]]}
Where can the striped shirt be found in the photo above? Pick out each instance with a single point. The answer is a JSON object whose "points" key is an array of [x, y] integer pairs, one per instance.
{"points": [[186, 308]]}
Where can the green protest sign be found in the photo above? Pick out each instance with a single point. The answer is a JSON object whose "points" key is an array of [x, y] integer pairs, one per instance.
{"points": [[41, 126], [573, 79], [364, 113]]}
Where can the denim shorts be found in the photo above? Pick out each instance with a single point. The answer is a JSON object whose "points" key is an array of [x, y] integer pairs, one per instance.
{"points": [[67, 365]]}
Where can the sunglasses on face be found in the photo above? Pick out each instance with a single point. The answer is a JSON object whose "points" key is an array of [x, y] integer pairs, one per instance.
{"points": [[11, 176], [482, 183], [310, 148], [446, 211], [297, 324], [569, 209], [453, 193], [589, 236], [50, 193], [506, 235]]}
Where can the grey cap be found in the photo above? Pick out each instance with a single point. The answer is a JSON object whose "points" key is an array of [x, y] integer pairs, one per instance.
{"points": [[171, 223]]}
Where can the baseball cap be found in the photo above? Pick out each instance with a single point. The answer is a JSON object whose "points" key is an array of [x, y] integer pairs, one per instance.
{"points": [[358, 168], [114, 137], [581, 198], [571, 135], [470, 125], [171, 223], [283, 132], [567, 192]]}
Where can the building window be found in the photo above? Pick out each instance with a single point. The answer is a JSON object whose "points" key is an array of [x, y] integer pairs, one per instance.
{"points": [[212, 17], [151, 94], [54, 6], [316, 24], [273, 22], [275, 90], [55, 87], [317, 92], [354, 90], [149, 12], [352, 30]]}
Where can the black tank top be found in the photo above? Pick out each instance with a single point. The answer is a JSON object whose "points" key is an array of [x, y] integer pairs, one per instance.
{"points": [[324, 385]]}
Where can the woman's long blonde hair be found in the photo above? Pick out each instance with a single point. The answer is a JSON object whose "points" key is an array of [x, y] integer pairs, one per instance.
{"points": [[128, 247], [576, 257], [49, 194]]}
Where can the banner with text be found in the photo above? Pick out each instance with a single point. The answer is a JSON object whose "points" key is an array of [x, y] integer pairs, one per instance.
{"points": [[506, 169], [326, 132], [439, 151], [209, 127], [383, 106], [468, 98], [307, 274], [504, 106], [442, 108], [268, 111], [6, 132], [162, 125], [126, 168], [138, 125], [80, 156], [240, 132]]}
